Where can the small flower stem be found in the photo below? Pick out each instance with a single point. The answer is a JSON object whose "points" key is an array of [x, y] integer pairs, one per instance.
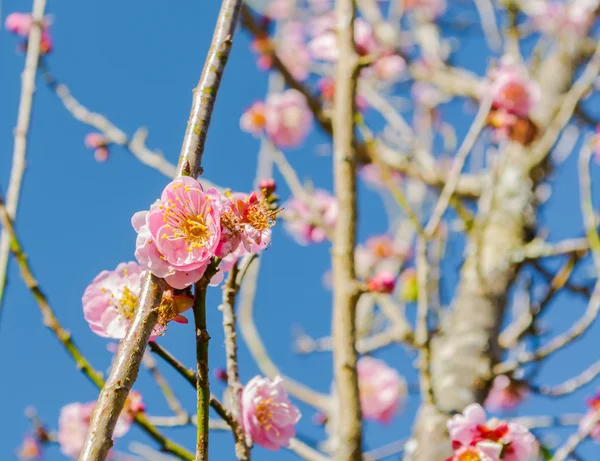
{"points": [[202, 381], [51, 322]]}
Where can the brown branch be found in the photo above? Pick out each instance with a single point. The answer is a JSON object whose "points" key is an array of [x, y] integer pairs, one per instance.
{"points": [[230, 290], [202, 381], [348, 425], [128, 359], [51, 322], [21, 132]]}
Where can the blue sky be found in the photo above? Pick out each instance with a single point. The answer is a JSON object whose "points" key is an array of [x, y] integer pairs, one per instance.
{"points": [[137, 62]]}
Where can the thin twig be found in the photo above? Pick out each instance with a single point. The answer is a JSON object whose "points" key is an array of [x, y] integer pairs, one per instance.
{"points": [[202, 382], [544, 422], [230, 290], [457, 166], [172, 401], [51, 322], [571, 385], [21, 132], [305, 451], [257, 348], [539, 249], [578, 437], [485, 8], [590, 220], [385, 451]]}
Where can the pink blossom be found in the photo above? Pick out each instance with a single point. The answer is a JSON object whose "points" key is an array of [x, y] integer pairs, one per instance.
{"points": [[95, 140], [292, 50], [110, 301], [382, 282], [29, 449], [288, 118], [382, 389], [505, 394], [390, 67], [512, 90], [379, 252], [372, 175], [179, 235], [280, 9], [268, 186], [470, 428], [256, 220], [268, 416], [594, 405], [429, 8], [75, 418], [482, 451], [324, 46], [319, 6], [553, 17], [21, 23], [253, 121], [303, 225]]}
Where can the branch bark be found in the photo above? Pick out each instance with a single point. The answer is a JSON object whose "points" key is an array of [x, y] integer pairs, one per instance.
{"points": [[128, 359], [21, 131], [347, 414], [202, 382]]}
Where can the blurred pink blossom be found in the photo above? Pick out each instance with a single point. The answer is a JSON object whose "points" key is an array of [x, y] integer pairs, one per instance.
{"points": [[553, 17], [21, 23], [382, 389], [292, 50], [430, 8], [288, 118], [300, 222], [99, 143], [505, 394], [594, 405], [30, 449], [379, 252], [382, 282], [390, 67], [323, 45], [180, 234], [471, 428], [512, 90], [372, 175], [253, 121], [268, 416]]}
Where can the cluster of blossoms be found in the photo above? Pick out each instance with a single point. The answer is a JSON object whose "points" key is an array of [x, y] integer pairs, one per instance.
{"points": [[567, 18], [284, 117], [300, 219], [75, 418], [99, 143], [505, 394], [474, 438], [514, 96], [268, 416], [20, 24], [187, 227], [590, 416], [382, 390]]}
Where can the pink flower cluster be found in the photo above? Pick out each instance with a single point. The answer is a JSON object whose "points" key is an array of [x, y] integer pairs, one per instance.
{"points": [[284, 117], [323, 47], [382, 389], [75, 418], [594, 405], [268, 416], [301, 223], [566, 18], [99, 143], [512, 90], [21, 23], [505, 394], [380, 253], [474, 438], [187, 227]]}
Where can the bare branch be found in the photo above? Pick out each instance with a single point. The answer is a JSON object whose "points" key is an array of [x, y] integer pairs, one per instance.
{"points": [[21, 132], [573, 442], [572, 384]]}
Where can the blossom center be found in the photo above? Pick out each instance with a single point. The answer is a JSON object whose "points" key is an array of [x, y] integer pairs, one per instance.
{"points": [[469, 456], [260, 217], [128, 303], [515, 93], [195, 230], [263, 412]]}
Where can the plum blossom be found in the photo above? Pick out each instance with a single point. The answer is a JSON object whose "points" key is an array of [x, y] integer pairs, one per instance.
{"points": [[323, 45], [505, 394], [285, 117], [180, 233], [268, 416], [590, 416], [75, 418], [390, 67], [382, 282], [20, 24], [379, 253], [471, 428], [99, 143], [572, 18], [373, 176], [512, 90], [30, 449], [382, 389], [110, 301], [288, 118], [429, 8], [303, 225], [481, 451]]}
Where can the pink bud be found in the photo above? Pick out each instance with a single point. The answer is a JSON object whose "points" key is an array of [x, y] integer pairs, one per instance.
{"points": [[382, 282], [268, 185], [221, 374], [101, 154]]}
